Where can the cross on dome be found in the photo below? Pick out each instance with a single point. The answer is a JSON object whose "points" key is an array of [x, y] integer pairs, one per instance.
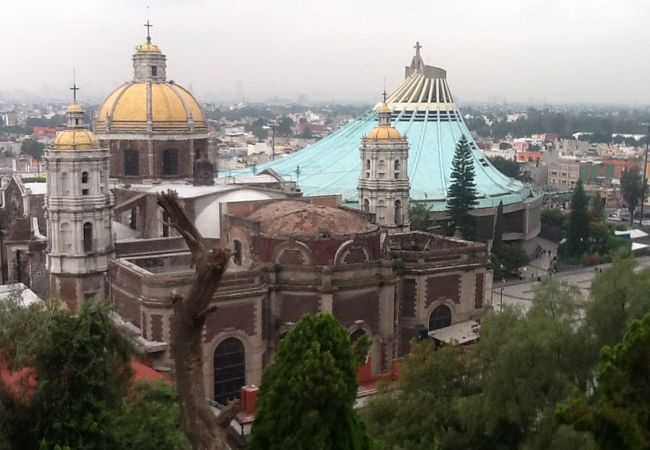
{"points": [[74, 90], [148, 25]]}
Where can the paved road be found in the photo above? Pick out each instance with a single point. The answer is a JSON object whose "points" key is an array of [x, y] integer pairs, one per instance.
{"points": [[520, 293]]}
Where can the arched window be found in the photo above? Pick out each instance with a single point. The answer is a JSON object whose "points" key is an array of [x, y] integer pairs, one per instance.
{"points": [[398, 212], [66, 238], [165, 224], [367, 164], [366, 205], [133, 220], [131, 163], [440, 318], [237, 252], [84, 177], [397, 168], [381, 209], [229, 370], [154, 71], [88, 237], [170, 161], [65, 184]]}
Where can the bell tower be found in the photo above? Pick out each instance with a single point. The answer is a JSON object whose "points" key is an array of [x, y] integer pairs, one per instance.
{"points": [[79, 210], [383, 182]]}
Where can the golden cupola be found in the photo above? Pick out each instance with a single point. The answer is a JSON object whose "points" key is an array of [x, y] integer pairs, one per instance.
{"points": [[76, 136], [150, 103], [384, 131]]}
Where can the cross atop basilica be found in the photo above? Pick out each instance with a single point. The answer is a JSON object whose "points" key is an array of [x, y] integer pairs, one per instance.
{"points": [[148, 25], [417, 48]]}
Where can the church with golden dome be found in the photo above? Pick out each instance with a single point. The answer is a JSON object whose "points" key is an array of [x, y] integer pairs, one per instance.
{"points": [[155, 129]]}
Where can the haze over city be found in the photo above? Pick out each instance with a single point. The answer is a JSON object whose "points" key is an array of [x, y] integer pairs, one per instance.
{"points": [[519, 51]]}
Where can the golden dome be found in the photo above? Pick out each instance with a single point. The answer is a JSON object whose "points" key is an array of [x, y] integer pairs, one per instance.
{"points": [[384, 133], [172, 107], [384, 108], [74, 107], [76, 139], [147, 47]]}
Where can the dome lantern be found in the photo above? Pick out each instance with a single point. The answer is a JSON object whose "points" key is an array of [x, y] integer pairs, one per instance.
{"points": [[149, 64]]}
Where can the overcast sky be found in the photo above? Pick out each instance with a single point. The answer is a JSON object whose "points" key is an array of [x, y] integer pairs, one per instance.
{"points": [[561, 51]]}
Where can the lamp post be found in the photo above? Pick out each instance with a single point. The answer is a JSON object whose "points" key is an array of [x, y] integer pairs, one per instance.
{"points": [[645, 170], [501, 302]]}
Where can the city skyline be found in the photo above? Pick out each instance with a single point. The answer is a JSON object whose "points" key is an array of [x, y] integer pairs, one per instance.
{"points": [[530, 51]]}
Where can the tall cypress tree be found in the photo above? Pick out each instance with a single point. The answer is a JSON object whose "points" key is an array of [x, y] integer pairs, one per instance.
{"points": [[497, 242], [578, 232], [462, 194], [307, 393]]}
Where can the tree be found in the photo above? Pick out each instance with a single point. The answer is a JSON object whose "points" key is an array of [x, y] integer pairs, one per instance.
{"points": [[620, 295], [500, 395], [151, 419], [597, 208], [618, 416], [578, 229], [497, 242], [423, 411], [420, 217], [75, 374], [204, 429], [33, 148], [510, 168], [285, 127], [307, 393], [633, 189], [462, 195]]}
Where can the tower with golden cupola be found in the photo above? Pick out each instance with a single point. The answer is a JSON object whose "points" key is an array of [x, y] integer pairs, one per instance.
{"points": [[79, 208], [155, 129], [383, 182]]}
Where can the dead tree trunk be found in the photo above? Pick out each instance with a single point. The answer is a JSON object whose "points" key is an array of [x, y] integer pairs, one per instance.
{"points": [[205, 430]]}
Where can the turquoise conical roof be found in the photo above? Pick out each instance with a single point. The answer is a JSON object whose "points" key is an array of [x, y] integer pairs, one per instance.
{"points": [[424, 112]]}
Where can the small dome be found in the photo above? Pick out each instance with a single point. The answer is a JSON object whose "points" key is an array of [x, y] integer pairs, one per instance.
{"points": [[171, 107], [384, 133], [384, 108], [291, 218], [76, 139], [74, 107], [147, 47]]}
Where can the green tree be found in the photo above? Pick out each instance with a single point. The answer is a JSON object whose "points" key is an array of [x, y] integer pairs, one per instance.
{"points": [[150, 419], [462, 195], [423, 411], [510, 168], [632, 189], [497, 242], [420, 217], [80, 369], [307, 393], [597, 208], [33, 148], [578, 240], [618, 415], [619, 296], [285, 127]]}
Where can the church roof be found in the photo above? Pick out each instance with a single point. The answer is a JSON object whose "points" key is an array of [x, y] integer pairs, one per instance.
{"points": [[424, 112], [291, 218]]}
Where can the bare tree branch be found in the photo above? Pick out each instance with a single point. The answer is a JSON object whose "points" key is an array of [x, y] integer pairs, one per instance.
{"points": [[204, 429]]}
